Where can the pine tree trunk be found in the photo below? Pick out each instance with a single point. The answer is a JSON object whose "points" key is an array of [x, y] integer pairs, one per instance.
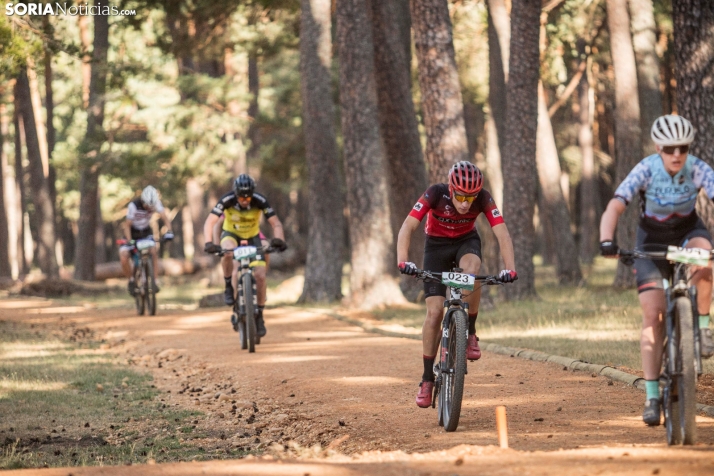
{"points": [[694, 57], [23, 266], [195, 201], [553, 202], [254, 90], [43, 215], [644, 41], [372, 251], [440, 89], [628, 142], [499, 38], [90, 160], [5, 269], [176, 247], [325, 251], [519, 156], [391, 27], [589, 198]]}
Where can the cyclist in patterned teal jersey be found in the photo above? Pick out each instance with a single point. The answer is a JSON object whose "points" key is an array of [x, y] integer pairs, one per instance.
{"points": [[668, 183]]}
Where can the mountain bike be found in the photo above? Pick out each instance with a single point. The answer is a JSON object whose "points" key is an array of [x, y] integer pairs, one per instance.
{"points": [[682, 362], [145, 287], [450, 370], [244, 307]]}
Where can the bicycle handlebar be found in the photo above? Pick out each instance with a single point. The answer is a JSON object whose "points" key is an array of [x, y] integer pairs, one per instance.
{"points": [[261, 249], [626, 256], [435, 277]]}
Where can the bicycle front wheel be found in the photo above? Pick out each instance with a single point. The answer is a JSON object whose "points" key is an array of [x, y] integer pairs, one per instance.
{"points": [[687, 381], [251, 332], [452, 390], [139, 279], [150, 289]]}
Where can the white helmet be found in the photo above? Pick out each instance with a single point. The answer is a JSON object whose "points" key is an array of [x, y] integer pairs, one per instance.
{"points": [[672, 130], [150, 196]]}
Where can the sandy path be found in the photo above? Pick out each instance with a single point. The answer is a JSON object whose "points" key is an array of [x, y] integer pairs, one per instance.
{"points": [[318, 380]]}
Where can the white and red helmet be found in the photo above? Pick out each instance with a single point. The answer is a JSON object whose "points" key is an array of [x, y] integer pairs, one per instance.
{"points": [[465, 178]]}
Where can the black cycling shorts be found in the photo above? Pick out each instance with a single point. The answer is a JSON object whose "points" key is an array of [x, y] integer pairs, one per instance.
{"points": [[649, 273], [254, 241], [139, 234], [443, 254]]}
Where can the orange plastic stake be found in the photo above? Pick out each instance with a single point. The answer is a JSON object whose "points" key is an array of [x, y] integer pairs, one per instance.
{"points": [[502, 426]]}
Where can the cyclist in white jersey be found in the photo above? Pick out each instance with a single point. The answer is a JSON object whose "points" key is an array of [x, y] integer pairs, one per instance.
{"points": [[668, 183], [138, 226]]}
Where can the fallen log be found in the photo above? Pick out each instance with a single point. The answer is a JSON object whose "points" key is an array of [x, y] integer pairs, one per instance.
{"points": [[167, 267]]}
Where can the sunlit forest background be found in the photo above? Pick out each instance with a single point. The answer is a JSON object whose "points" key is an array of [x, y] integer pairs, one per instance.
{"points": [[321, 102]]}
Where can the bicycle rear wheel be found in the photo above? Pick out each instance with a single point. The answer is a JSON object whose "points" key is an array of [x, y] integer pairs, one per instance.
{"points": [[687, 381], [150, 289], [452, 390], [251, 331]]}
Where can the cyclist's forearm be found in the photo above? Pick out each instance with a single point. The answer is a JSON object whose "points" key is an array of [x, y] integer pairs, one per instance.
{"points": [[608, 222], [127, 229], [404, 238], [167, 221], [277, 228], [506, 245], [208, 227]]}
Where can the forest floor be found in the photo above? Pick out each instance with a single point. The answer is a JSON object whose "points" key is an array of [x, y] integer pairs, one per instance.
{"points": [[319, 396]]}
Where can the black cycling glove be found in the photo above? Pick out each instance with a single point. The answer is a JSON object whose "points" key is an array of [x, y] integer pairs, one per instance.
{"points": [[608, 248], [211, 248], [278, 244]]}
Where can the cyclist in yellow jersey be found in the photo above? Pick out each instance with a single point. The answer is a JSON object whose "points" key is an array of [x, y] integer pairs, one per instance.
{"points": [[242, 208]]}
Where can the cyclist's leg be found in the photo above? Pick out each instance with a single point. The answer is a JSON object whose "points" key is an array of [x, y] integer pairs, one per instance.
{"points": [[230, 268], [654, 308], [469, 259], [125, 260], [155, 260], [701, 277]]}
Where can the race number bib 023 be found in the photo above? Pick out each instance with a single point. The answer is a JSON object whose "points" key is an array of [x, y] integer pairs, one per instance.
{"points": [[695, 256], [243, 252], [458, 280]]}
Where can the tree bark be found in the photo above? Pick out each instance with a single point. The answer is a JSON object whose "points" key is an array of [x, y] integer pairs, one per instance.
{"points": [[5, 268], [644, 40], [325, 251], [254, 90], [20, 207], [86, 43], [90, 150], [440, 89], [589, 197], [499, 38], [176, 247], [391, 26], [372, 253], [694, 58], [43, 215], [628, 142], [519, 156], [553, 202], [195, 200]]}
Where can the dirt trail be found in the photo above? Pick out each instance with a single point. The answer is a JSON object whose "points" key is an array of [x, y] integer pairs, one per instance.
{"points": [[318, 380]]}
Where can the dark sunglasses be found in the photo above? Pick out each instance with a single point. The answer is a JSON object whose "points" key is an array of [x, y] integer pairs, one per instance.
{"points": [[669, 149]]}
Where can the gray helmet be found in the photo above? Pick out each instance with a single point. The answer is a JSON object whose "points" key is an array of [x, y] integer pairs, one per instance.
{"points": [[244, 186]]}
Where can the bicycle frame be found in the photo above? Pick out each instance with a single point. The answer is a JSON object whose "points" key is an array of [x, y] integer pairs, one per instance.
{"points": [[676, 288]]}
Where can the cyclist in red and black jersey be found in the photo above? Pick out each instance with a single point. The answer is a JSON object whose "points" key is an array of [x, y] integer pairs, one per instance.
{"points": [[451, 237]]}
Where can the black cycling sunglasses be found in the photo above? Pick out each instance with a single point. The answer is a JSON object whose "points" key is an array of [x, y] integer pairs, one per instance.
{"points": [[669, 149]]}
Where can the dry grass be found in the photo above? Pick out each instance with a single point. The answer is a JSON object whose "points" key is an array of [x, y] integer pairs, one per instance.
{"points": [[66, 403], [594, 323]]}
